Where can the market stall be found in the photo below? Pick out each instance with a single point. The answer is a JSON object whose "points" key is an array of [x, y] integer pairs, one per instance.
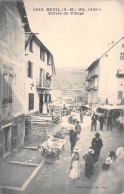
{"points": [[51, 148]]}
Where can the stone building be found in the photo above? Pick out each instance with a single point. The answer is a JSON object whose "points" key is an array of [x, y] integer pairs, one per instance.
{"points": [[106, 76], [13, 25], [40, 68]]}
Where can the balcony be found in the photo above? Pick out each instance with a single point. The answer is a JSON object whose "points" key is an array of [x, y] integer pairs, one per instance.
{"points": [[120, 73], [44, 85], [92, 74], [91, 87]]}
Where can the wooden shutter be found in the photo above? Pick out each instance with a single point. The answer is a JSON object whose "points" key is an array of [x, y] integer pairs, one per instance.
{"points": [[14, 136], [10, 86], [43, 78], [5, 86], [28, 68], [1, 87], [31, 101], [31, 46], [120, 95]]}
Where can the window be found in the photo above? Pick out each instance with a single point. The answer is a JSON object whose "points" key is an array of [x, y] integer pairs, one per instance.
{"points": [[31, 46], [48, 59], [30, 69], [121, 55], [41, 54], [7, 88], [31, 101], [120, 95]]}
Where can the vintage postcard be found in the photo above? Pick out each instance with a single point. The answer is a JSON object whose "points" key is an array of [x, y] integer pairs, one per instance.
{"points": [[61, 97]]}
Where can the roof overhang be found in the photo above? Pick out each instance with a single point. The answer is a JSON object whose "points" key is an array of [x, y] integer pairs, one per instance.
{"points": [[93, 64], [22, 11]]}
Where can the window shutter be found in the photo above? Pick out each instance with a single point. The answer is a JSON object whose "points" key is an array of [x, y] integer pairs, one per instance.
{"points": [[14, 135], [31, 69], [1, 87], [28, 68], [5, 87], [120, 95], [43, 77], [31, 101], [10, 86], [30, 46]]}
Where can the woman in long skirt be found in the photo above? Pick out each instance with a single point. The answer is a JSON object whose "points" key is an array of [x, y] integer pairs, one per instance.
{"points": [[74, 171]]}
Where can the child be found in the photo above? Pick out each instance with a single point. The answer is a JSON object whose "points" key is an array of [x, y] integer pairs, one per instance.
{"points": [[109, 161], [74, 171]]}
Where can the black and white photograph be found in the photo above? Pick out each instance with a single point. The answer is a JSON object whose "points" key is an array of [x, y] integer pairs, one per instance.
{"points": [[61, 97]]}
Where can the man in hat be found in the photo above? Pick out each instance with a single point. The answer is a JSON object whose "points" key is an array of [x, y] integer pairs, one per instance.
{"points": [[101, 120], [96, 145], [89, 163], [73, 139], [93, 122]]}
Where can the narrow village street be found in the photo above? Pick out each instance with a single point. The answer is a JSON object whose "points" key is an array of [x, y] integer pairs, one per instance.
{"points": [[61, 97], [53, 177]]}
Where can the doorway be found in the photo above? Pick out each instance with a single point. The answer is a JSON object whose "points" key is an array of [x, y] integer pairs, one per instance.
{"points": [[41, 103], [7, 139]]}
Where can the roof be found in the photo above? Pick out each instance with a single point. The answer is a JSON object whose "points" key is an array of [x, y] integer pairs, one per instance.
{"points": [[22, 11], [97, 61], [93, 64]]}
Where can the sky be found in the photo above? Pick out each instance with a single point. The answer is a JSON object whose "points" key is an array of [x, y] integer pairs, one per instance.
{"points": [[76, 40]]}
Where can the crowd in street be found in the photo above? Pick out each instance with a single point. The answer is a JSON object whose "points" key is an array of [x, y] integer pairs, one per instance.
{"points": [[91, 157]]}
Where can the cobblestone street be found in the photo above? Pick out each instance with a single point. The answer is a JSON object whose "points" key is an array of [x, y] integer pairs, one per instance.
{"points": [[53, 178]]}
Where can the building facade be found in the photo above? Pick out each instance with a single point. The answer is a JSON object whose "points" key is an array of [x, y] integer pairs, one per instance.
{"points": [[105, 80], [12, 81], [40, 68]]}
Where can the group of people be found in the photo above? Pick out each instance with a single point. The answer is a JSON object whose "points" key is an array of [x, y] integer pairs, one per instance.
{"points": [[91, 157], [101, 121]]}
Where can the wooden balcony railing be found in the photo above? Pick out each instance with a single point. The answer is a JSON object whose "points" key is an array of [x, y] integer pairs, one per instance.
{"points": [[43, 85]]}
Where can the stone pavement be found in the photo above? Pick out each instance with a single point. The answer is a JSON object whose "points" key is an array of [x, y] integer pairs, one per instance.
{"points": [[53, 178]]}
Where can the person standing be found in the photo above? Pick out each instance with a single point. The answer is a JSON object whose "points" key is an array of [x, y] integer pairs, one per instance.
{"points": [[101, 120], [74, 171], [73, 139], [89, 163], [93, 122], [96, 145], [109, 122], [78, 129]]}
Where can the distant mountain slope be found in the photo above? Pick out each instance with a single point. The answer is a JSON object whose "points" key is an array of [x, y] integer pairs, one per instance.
{"points": [[71, 81]]}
